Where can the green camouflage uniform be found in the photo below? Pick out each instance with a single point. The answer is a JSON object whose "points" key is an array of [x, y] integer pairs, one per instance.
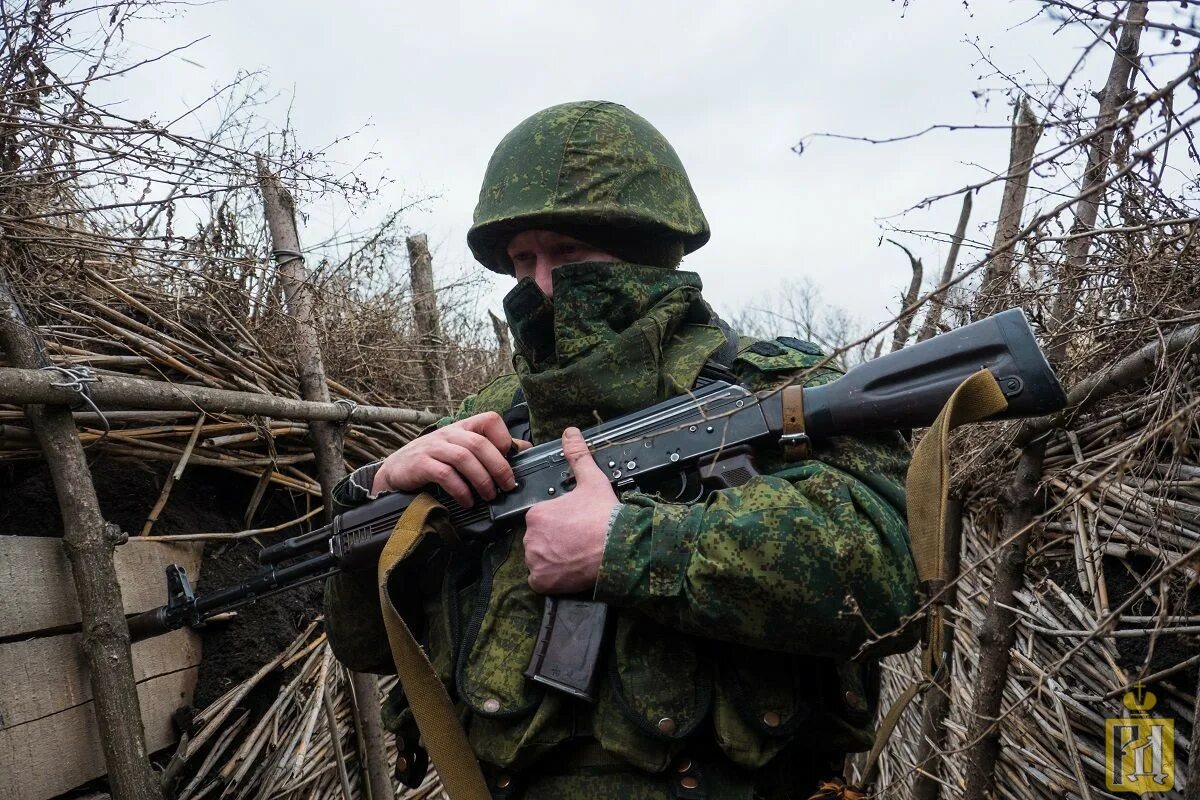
{"points": [[733, 619]]}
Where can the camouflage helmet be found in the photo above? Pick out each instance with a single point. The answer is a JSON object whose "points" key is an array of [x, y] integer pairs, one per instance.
{"points": [[594, 170]]}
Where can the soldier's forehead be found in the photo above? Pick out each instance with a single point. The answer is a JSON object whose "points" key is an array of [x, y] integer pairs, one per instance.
{"points": [[536, 235]]}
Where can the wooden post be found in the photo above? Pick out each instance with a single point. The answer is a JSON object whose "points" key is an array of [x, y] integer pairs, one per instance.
{"points": [[89, 544], [1025, 135], [904, 324], [25, 386], [300, 303], [998, 631], [1091, 191], [504, 353], [429, 327], [934, 316], [336, 740]]}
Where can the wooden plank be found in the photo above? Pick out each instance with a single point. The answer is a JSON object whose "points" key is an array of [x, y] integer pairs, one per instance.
{"points": [[49, 742], [54, 754], [49, 675], [37, 589]]}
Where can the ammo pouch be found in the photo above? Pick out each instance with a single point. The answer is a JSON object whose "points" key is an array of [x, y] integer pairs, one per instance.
{"points": [[513, 720], [658, 687]]}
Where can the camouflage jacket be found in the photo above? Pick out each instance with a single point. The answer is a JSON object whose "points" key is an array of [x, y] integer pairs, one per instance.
{"points": [[736, 617]]}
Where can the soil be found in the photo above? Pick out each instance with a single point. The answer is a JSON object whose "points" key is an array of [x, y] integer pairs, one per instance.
{"points": [[234, 651], [206, 499], [1133, 653], [1062, 571], [1169, 650]]}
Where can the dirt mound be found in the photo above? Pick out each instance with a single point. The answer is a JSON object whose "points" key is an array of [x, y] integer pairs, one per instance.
{"points": [[205, 500]]}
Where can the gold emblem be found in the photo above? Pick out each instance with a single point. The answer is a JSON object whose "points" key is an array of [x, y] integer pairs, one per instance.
{"points": [[1139, 749]]}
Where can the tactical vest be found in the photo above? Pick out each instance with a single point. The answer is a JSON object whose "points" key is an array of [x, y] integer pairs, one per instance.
{"points": [[659, 689]]}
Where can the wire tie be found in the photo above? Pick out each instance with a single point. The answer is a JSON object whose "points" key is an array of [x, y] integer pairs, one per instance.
{"points": [[286, 257], [77, 379], [349, 405]]}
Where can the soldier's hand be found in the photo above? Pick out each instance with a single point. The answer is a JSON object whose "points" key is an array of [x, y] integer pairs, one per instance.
{"points": [[470, 453], [564, 538]]}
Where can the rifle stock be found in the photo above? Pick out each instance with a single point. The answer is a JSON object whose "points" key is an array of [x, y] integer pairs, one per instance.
{"points": [[906, 389]]}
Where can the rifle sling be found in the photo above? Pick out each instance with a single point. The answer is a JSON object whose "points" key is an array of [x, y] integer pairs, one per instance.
{"points": [[795, 440], [443, 733], [928, 485], [871, 767]]}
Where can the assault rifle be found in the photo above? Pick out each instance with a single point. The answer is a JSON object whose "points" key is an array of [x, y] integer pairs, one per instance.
{"points": [[682, 447]]}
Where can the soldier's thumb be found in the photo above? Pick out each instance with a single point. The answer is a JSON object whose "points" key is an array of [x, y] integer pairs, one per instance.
{"points": [[575, 451]]}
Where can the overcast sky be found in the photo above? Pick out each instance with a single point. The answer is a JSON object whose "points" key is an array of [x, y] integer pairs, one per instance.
{"points": [[732, 85]]}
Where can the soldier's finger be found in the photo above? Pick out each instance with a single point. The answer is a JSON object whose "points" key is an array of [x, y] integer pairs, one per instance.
{"points": [[468, 465], [493, 460], [447, 477], [577, 454], [491, 425]]}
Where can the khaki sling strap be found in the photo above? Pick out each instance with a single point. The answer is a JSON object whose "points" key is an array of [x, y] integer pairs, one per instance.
{"points": [[928, 487], [976, 398], [440, 727]]}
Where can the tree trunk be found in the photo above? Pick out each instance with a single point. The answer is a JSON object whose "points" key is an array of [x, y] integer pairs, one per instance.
{"points": [[300, 303], [1025, 135], [998, 631], [89, 545], [429, 327]]}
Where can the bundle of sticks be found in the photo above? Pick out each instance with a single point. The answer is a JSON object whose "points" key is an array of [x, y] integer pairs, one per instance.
{"points": [[125, 326], [1105, 606], [303, 745]]}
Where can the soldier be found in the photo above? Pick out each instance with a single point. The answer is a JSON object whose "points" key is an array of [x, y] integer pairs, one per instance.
{"points": [[727, 670]]}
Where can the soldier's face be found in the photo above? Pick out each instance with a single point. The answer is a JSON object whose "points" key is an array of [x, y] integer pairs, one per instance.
{"points": [[538, 253]]}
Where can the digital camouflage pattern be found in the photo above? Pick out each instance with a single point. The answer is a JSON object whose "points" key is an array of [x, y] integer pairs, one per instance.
{"points": [[592, 166], [721, 569], [610, 325], [733, 631]]}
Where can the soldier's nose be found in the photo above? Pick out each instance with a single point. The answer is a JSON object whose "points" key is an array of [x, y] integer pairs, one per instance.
{"points": [[542, 278]]}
